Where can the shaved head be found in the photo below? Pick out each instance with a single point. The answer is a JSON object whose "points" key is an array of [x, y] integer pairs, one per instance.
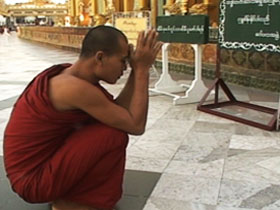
{"points": [[102, 38]]}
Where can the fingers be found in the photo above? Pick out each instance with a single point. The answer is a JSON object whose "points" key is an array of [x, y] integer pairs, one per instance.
{"points": [[148, 40], [157, 47], [146, 50], [154, 40], [140, 39], [151, 38]]}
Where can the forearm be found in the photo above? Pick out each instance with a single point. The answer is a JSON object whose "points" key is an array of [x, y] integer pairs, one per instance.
{"points": [[125, 96], [135, 100], [138, 107], [134, 97]]}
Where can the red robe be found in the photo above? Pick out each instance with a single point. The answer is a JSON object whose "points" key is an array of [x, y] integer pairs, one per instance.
{"points": [[50, 155]]}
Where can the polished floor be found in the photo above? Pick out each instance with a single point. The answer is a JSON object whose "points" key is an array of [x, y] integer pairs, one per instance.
{"points": [[201, 161]]}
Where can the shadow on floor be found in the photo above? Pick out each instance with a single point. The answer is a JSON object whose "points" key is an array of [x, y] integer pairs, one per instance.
{"points": [[138, 186]]}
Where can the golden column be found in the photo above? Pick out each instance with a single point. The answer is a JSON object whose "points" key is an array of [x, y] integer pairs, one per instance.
{"points": [[128, 5], [118, 5], [94, 7], [143, 4], [77, 8], [154, 11], [73, 12], [70, 8]]}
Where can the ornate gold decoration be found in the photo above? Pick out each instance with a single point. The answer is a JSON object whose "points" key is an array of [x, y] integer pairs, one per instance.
{"points": [[198, 9], [173, 9], [3, 8], [106, 16], [206, 2], [99, 19], [110, 9], [109, 4], [168, 4], [38, 7], [81, 7], [184, 6], [39, 2]]}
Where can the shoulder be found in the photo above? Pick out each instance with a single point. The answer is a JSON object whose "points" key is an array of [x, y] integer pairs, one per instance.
{"points": [[65, 91], [63, 83], [66, 79]]}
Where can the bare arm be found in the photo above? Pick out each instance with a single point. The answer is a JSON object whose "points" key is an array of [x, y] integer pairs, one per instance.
{"points": [[124, 98], [135, 80]]}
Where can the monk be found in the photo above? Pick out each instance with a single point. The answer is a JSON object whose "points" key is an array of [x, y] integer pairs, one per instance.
{"points": [[66, 138]]}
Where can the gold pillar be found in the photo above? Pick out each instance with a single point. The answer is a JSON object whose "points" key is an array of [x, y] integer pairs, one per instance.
{"points": [[94, 7], [104, 6], [128, 5], [154, 6], [73, 12], [77, 7], [72, 5], [143, 4], [117, 4]]}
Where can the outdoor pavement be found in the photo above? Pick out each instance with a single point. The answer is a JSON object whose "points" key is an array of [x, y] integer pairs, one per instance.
{"points": [[186, 160]]}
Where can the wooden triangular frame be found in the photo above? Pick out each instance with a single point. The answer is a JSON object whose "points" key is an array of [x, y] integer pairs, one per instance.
{"points": [[219, 83], [210, 108]]}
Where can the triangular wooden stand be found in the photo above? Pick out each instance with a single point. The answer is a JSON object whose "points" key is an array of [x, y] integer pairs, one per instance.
{"points": [[210, 108]]}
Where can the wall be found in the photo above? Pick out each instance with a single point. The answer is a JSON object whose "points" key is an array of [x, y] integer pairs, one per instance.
{"points": [[64, 37]]}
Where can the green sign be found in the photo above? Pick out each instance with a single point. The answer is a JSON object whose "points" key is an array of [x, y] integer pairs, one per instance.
{"points": [[250, 25], [183, 29]]}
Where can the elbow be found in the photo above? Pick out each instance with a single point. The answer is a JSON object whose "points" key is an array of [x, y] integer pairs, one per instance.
{"points": [[138, 131]]}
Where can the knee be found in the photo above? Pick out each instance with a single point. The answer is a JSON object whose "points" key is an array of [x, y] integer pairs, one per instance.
{"points": [[101, 135], [115, 137]]}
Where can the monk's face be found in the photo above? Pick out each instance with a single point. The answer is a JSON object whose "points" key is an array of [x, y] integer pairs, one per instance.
{"points": [[116, 64]]}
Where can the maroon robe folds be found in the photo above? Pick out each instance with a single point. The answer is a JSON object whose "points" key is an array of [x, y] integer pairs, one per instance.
{"points": [[50, 155]]}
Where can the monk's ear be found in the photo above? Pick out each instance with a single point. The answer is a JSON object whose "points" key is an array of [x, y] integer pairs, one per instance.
{"points": [[99, 56]]}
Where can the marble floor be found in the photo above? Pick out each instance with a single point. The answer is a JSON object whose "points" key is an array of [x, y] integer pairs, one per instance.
{"points": [[206, 162]]}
